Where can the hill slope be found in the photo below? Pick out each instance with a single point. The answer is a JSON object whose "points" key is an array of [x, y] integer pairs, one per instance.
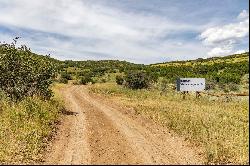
{"points": [[235, 58], [228, 69]]}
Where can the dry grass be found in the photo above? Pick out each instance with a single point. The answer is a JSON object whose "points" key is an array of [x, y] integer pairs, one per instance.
{"points": [[25, 128], [219, 126]]}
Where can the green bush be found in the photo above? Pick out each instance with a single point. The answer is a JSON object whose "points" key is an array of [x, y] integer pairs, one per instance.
{"points": [[119, 79], [137, 80], [66, 75], [233, 87], [85, 79], [210, 86], [24, 73]]}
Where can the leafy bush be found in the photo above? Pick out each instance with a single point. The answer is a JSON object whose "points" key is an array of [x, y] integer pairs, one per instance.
{"points": [[24, 73], [233, 87], [137, 80], [85, 79], [65, 75], [119, 79], [210, 86], [164, 85]]}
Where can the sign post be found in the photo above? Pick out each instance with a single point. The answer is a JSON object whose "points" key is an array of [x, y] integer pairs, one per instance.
{"points": [[186, 85]]}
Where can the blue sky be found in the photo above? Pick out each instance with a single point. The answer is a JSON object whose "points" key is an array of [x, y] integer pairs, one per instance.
{"points": [[139, 31]]}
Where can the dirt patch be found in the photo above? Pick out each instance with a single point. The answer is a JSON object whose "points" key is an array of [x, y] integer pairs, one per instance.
{"points": [[70, 144]]}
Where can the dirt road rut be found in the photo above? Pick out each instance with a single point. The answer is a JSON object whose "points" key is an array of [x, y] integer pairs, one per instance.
{"points": [[97, 132]]}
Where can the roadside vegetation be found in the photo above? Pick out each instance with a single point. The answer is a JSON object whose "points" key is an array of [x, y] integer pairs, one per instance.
{"points": [[26, 127], [218, 126], [28, 110]]}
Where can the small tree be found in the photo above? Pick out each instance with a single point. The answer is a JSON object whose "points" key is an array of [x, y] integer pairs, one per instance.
{"points": [[137, 80], [23, 73]]}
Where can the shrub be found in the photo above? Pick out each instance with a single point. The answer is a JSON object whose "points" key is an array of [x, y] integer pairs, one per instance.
{"points": [[119, 79], [245, 79], [24, 73], [233, 87], [164, 84], [137, 80], [85, 79], [210, 86], [225, 88], [66, 75]]}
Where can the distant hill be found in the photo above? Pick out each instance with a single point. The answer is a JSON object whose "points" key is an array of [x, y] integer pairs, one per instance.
{"points": [[219, 70], [105, 65], [235, 58]]}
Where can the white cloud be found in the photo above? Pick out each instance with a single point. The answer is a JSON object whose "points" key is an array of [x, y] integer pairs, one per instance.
{"points": [[135, 36], [232, 31], [243, 15], [223, 38], [80, 19], [219, 51], [240, 51]]}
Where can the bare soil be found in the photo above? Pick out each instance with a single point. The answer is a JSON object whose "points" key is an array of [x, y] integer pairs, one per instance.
{"points": [[94, 130]]}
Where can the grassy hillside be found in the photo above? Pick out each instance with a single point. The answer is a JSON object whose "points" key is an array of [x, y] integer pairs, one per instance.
{"points": [[105, 65], [80, 69], [209, 61], [232, 69]]}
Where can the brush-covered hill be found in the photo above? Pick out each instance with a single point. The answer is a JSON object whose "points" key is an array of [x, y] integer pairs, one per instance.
{"points": [[100, 66], [86, 70], [223, 70], [218, 70], [235, 58]]}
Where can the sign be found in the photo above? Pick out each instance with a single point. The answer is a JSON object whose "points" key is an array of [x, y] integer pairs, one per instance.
{"points": [[190, 84]]}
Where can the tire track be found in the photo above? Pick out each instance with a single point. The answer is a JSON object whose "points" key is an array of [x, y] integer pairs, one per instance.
{"points": [[100, 133]]}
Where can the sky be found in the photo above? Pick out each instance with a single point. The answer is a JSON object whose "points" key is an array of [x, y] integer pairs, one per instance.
{"points": [[138, 31]]}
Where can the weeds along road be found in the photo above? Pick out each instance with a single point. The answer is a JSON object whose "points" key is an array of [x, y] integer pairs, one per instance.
{"points": [[97, 132]]}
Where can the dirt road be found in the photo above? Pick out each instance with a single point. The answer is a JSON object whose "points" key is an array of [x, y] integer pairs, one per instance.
{"points": [[94, 131]]}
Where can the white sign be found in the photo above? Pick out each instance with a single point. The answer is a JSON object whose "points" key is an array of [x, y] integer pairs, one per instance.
{"points": [[190, 84]]}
